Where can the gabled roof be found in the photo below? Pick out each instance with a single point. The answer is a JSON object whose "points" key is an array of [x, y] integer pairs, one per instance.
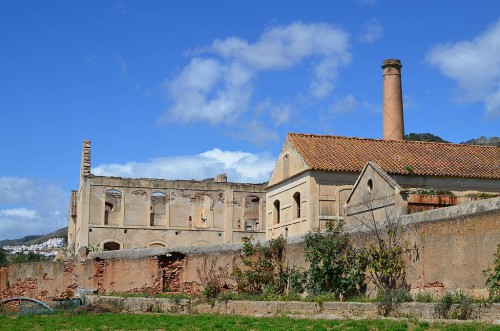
{"points": [[335, 153]]}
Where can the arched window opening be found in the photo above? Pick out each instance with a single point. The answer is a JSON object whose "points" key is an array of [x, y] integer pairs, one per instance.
{"points": [[111, 246], [296, 205], [276, 212], [158, 209], [286, 166], [112, 205]]}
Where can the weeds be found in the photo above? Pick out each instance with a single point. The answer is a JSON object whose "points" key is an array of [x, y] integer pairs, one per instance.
{"points": [[388, 301], [457, 305], [424, 297]]}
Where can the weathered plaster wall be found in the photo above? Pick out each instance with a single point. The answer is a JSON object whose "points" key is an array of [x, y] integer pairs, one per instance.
{"points": [[137, 213]]}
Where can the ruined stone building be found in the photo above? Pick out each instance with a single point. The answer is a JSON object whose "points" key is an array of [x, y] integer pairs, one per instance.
{"points": [[310, 185], [113, 213], [314, 174]]}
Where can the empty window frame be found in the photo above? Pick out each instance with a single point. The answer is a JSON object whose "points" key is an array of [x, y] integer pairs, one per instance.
{"points": [[112, 205], [158, 209], [276, 211], [296, 205]]}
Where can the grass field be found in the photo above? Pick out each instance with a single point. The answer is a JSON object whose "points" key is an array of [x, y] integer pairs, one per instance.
{"points": [[212, 322]]}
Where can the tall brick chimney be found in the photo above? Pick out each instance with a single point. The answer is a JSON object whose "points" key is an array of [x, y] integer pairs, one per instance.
{"points": [[85, 166], [392, 101]]}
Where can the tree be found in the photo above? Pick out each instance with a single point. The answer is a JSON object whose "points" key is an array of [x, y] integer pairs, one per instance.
{"points": [[264, 269], [425, 137], [3, 258], [335, 267], [383, 241]]}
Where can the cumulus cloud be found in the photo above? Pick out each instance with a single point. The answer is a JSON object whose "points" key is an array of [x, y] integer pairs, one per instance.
{"points": [[372, 31], [217, 84], [345, 104], [474, 65], [30, 206], [350, 103], [279, 113], [239, 166]]}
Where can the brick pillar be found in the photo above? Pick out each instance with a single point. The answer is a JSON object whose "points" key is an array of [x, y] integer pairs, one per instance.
{"points": [[85, 167]]}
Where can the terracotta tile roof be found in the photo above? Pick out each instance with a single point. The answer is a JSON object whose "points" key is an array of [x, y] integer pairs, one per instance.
{"points": [[336, 153]]}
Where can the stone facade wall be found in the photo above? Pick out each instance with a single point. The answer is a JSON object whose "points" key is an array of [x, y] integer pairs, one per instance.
{"points": [[136, 213]]}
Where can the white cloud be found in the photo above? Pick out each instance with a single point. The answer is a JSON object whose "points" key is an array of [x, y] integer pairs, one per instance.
{"points": [[372, 31], [345, 104], [30, 206], [19, 213], [279, 113], [120, 7], [255, 132], [123, 66], [217, 85], [474, 65], [366, 2], [239, 166]]}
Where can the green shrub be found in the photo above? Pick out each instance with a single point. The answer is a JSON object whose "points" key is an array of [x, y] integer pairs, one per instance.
{"points": [[388, 300], [457, 305], [424, 297], [335, 267], [493, 280], [264, 270]]}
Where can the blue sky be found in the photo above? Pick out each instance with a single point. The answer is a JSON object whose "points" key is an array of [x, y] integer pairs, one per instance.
{"points": [[190, 89]]}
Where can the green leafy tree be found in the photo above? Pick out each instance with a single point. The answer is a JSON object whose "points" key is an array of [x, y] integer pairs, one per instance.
{"points": [[335, 267], [28, 257], [425, 137], [4, 261]]}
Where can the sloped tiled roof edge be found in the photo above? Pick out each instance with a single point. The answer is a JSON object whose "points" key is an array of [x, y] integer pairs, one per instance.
{"points": [[349, 154]]}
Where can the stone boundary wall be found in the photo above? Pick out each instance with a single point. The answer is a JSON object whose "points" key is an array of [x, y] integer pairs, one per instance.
{"points": [[455, 245], [324, 310]]}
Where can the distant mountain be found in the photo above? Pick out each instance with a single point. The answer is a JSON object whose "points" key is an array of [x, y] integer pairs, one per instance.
{"points": [[33, 240], [425, 137], [493, 141]]}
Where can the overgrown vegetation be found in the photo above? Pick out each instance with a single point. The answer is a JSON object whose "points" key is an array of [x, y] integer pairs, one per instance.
{"points": [[457, 305], [4, 261], [264, 269], [213, 278], [388, 300], [335, 266], [493, 280], [29, 257], [431, 191]]}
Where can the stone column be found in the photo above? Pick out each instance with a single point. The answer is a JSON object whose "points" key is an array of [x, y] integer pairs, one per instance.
{"points": [[392, 100]]}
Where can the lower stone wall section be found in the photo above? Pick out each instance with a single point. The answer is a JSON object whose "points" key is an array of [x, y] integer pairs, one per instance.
{"points": [[326, 310]]}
